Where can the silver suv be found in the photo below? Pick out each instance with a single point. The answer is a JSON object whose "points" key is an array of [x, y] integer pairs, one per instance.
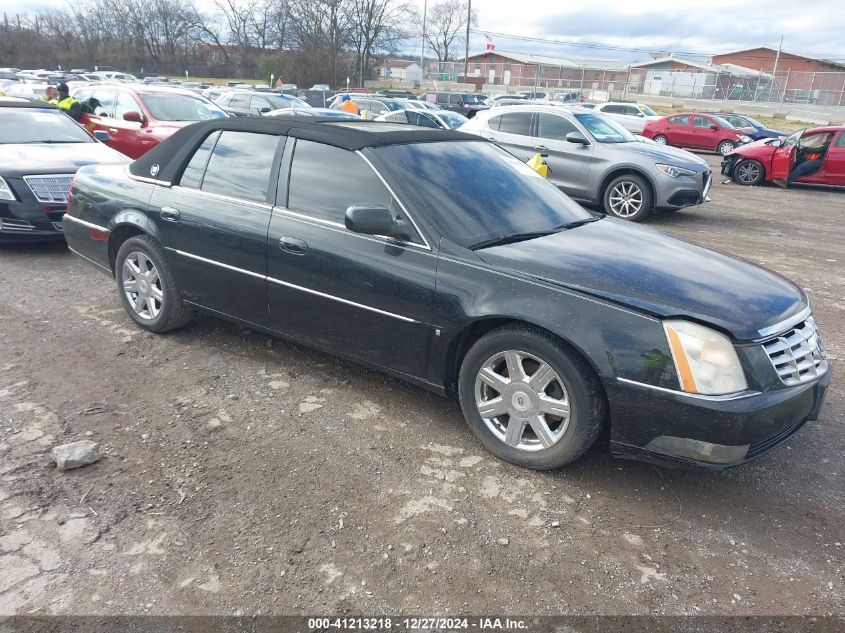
{"points": [[596, 160]]}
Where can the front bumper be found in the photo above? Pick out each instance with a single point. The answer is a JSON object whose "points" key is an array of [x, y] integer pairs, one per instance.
{"points": [[728, 166], [674, 428], [685, 191], [30, 222]]}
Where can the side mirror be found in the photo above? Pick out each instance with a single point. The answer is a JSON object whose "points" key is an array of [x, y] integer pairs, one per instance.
{"points": [[264, 110], [577, 138], [102, 136], [641, 115], [713, 126], [135, 117], [373, 220]]}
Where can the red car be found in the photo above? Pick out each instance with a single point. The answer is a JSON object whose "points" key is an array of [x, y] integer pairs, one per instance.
{"points": [[139, 117], [696, 131], [773, 159]]}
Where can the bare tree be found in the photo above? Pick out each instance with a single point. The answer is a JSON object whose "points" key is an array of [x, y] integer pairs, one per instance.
{"points": [[378, 26], [446, 25]]}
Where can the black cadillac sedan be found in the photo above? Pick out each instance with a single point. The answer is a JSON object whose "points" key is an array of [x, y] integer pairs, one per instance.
{"points": [[40, 150], [441, 259]]}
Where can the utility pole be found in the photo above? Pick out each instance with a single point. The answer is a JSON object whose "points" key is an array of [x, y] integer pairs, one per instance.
{"points": [[422, 46], [466, 56], [777, 58]]}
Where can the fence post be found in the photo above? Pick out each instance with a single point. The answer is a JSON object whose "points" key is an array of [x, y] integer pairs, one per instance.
{"points": [[783, 94]]}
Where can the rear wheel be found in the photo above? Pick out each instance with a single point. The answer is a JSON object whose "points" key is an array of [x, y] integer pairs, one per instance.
{"points": [[748, 172], [529, 399], [661, 140], [628, 197], [724, 147], [147, 287]]}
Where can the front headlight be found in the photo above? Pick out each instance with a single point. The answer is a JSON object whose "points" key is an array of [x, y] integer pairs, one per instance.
{"points": [[6, 192], [744, 138], [706, 360], [674, 171]]}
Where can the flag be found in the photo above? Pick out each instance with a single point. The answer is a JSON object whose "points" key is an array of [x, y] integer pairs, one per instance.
{"points": [[490, 45]]}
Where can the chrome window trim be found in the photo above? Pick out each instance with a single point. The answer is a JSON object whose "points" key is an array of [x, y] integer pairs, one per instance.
{"points": [[84, 223], [337, 226], [786, 324], [698, 396], [149, 181], [293, 286], [223, 197], [395, 197]]}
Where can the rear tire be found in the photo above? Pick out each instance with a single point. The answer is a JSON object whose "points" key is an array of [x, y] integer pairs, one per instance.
{"points": [[725, 147], [628, 197], [660, 139], [547, 415], [748, 172], [147, 287]]}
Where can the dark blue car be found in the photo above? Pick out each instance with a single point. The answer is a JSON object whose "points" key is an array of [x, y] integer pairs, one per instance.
{"points": [[745, 121]]}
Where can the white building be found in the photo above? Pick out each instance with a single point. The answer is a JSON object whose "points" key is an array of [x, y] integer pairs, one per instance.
{"points": [[401, 70]]}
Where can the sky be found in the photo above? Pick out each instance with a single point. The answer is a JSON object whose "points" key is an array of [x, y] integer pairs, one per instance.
{"points": [[811, 27]]}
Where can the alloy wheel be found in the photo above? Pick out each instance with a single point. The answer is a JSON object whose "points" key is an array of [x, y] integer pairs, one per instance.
{"points": [[522, 400], [142, 285], [725, 147], [748, 173], [626, 199], [660, 140]]}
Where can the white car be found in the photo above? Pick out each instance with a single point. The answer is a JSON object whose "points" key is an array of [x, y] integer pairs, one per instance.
{"points": [[632, 116], [438, 119]]}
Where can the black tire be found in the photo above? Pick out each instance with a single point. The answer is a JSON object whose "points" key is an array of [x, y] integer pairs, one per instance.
{"points": [[748, 172], [587, 409], [660, 139], [645, 198], [724, 147], [173, 312]]}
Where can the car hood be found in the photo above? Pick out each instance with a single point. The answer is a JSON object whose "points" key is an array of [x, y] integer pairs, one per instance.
{"points": [[39, 158], [657, 274], [755, 149], [661, 154]]}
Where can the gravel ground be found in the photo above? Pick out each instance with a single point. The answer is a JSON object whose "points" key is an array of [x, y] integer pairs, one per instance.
{"points": [[242, 474]]}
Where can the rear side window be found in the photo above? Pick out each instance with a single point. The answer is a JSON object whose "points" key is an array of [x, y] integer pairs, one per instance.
{"points": [[326, 180], [442, 98], [679, 120], [516, 123], [612, 109], [494, 122], [554, 127], [240, 165], [632, 111], [192, 176]]}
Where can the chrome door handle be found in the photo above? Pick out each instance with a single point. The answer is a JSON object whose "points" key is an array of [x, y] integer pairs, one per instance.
{"points": [[490, 138], [113, 130], [170, 214], [541, 148], [293, 245]]}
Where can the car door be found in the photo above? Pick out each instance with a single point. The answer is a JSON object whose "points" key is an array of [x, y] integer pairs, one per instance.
{"points": [[704, 136], [784, 156], [365, 296], [679, 130], [513, 132], [834, 164], [127, 136], [213, 224], [569, 163]]}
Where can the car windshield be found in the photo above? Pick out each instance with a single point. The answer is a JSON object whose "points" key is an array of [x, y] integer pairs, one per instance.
{"points": [[452, 119], [476, 192], [40, 126], [753, 122], [604, 130], [176, 107], [285, 101], [647, 111]]}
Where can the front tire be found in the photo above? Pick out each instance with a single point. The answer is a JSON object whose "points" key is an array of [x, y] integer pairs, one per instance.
{"points": [[749, 172], [147, 287], [725, 147], [530, 400], [628, 197]]}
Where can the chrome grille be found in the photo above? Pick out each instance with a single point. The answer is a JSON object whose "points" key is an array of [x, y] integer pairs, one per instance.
{"points": [[52, 188], [10, 224], [798, 354]]}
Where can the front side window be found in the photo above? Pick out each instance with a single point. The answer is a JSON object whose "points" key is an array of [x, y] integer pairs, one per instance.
{"points": [[240, 165], [257, 104], [326, 180], [125, 103], [516, 123], [106, 99], [604, 130], [177, 107], [701, 121], [554, 127], [475, 191]]}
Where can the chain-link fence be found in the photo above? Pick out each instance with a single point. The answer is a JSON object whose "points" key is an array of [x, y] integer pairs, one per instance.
{"points": [[608, 80]]}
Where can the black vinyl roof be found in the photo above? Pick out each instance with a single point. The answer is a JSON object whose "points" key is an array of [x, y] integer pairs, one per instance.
{"points": [[164, 161]]}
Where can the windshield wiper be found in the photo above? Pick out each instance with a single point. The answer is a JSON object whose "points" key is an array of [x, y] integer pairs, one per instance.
{"points": [[576, 223], [522, 237]]}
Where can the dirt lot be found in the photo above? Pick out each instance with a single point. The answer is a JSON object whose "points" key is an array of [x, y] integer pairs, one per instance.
{"points": [[242, 474]]}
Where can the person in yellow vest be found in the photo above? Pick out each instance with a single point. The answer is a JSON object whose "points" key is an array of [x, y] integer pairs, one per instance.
{"points": [[349, 105], [51, 95], [68, 104]]}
